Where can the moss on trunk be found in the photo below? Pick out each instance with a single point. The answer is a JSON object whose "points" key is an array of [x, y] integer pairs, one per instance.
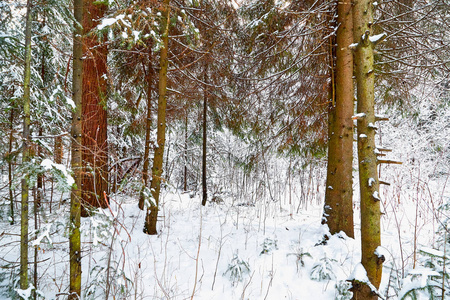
{"points": [[152, 211]]}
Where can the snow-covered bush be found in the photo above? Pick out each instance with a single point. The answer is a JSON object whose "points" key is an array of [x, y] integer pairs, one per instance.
{"points": [[268, 246], [342, 288], [237, 269], [323, 270]]}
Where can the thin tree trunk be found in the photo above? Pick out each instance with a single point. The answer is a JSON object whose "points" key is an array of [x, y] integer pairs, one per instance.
{"points": [[25, 154], [94, 140], [40, 177], [147, 136], [75, 199], [185, 149], [367, 159], [152, 211], [36, 228], [338, 211], [10, 167], [58, 150], [205, 111]]}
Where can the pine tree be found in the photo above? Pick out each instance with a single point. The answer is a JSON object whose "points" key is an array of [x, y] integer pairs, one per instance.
{"points": [[338, 210]]}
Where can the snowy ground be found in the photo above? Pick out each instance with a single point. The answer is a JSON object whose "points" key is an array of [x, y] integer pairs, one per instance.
{"points": [[233, 250]]}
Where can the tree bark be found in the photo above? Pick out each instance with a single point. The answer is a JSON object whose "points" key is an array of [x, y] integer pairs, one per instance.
{"points": [[26, 155], [40, 177], [148, 125], [76, 164], [185, 149], [367, 159], [58, 150], [155, 187], [94, 139], [205, 111], [338, 210], [10, 166]]}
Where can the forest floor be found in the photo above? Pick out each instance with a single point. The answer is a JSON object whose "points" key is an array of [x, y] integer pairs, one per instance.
{"points": [[242, 249]]}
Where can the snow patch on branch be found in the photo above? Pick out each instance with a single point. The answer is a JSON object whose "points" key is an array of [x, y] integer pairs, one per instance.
{"points": [[378, 38]]}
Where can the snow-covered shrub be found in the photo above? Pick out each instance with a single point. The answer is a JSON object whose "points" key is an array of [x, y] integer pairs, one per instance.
{"points": [[268, 246], [9, 281], [300, 255], [342, 288], [107, 280], [431, 279], [237, 269], [323, 270]]}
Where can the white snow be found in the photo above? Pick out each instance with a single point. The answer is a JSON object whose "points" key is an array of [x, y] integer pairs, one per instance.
{"points": [[381, 252], [378, 37], [376, 196], [25, 294], [45, 233], [47, 164], [359, 273], [432, 251], [358, 116], [109, 21]]}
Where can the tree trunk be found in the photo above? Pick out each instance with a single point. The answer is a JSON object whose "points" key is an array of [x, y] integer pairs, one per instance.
{"points": [[58, 150], [40, 177], [205, 110], [367, 159], [10, 167], [185, 149], [147, 135], [95, 153], [75, 198], [25, 154], [338, 211], [155, 187]]}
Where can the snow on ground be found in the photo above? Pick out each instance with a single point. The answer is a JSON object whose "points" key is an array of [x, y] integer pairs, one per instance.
{"points": [[237, 250]]}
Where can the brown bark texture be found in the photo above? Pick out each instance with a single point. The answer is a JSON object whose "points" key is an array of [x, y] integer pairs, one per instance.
{"points": [[367, 159], [26, 154], [338, 210], [94, 138], [155, 187], [204, 138], [148, 125], [76, 164], [58, 150]]}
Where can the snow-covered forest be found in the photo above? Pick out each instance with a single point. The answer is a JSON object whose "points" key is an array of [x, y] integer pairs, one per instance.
{"points": [[224, 149]]}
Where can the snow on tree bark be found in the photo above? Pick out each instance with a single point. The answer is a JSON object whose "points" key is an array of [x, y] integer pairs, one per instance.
{"points": [[338, 209], [367, 159]]}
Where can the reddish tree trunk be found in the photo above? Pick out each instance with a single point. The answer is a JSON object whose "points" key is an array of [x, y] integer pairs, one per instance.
{"points": [[95, 153]]}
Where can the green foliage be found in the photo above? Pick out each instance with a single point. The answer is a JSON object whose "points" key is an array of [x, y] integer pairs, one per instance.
{"points": [[323, 270], [237, 269], [9, 281], [342, 288], [110, 279], [432, 279], [268, 246], [300, 256]]}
